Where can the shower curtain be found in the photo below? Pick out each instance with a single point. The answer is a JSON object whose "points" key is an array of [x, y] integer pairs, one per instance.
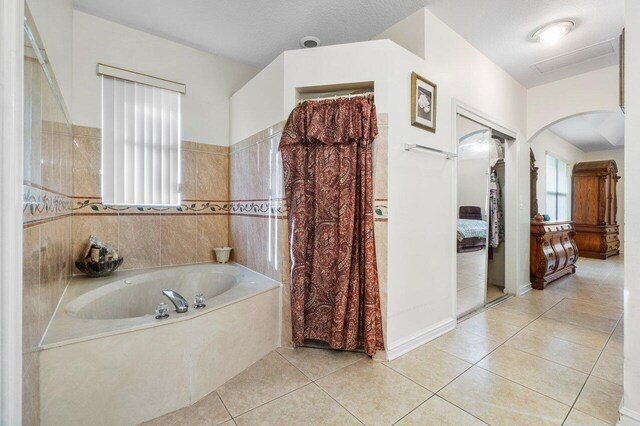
{"points": [[326, 149]]}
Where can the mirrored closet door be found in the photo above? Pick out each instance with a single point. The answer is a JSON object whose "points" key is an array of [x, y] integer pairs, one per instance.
{"points": [[480, 216]]}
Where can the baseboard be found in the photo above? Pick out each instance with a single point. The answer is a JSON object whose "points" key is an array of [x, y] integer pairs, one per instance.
{"points": [[628, 417], [409, 343], [525, 288]]}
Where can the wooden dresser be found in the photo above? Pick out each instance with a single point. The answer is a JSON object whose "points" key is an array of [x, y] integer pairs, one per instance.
{"points": [[553, 251], [595, 206]]}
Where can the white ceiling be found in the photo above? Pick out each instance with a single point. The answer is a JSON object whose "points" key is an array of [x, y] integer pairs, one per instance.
{"points": [[255, 32], [501, 29], [594, 131]]}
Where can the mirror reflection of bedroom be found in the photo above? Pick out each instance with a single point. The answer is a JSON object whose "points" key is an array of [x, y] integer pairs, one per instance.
{"points": [[480, 231]]}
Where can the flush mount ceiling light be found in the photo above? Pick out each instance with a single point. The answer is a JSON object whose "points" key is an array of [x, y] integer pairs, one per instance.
{"points": [[554, 31], [309, 42]]}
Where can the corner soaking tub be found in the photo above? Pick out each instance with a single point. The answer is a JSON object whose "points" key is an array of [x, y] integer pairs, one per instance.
{"points": [[105, 356]]}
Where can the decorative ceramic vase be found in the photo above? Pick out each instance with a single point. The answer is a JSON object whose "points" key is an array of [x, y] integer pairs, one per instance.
{"points": [[222, 254]]}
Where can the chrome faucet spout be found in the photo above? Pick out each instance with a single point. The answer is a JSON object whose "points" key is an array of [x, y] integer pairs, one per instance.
{"points": [[178, 301]]}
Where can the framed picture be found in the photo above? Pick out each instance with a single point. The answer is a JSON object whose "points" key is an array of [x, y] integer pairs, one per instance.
{"points": [[423, 103]]}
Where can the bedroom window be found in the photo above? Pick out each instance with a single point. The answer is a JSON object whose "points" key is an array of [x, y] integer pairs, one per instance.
{"points": [[140, 139], [557, 189]]}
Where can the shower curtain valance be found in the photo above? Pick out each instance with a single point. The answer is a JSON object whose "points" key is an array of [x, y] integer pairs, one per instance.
{"points": [[327, 158], [332, 122]]}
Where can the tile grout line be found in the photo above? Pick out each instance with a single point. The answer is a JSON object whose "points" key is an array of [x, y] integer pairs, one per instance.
{"points": [[321, 388], [436, 392], [589, 376], [519, 384], [278, 397]]}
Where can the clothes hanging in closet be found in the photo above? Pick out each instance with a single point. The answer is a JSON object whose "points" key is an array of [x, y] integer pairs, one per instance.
{"points": [[496, 217]]}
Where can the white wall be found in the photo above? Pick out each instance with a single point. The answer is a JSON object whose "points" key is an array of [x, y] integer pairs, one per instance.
{"points": [[631, 401], [549, 142], [259, 104], [210, 80], [473, 182], [592, 91], [422, 186], [54, 21], [408, 33]]}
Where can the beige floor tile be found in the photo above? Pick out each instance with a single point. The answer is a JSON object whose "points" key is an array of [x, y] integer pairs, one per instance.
{"points": [[618, 333], [485, 327], [599, 309], [548, 378], [523, 306], [578, 418], [581, 319], [438, 412], [610, 366], [519, 319], [572, 333], [229, 423], [266, 380], [317, 363], [209, 411], [499, 401], [573, 355], [374, 393], [600, 399], [429, 367], [466, 346], [541, 297], [309, 405]]}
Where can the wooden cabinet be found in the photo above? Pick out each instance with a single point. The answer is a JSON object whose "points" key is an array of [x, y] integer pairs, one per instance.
{"points": [[553, 251], [595, 206]]}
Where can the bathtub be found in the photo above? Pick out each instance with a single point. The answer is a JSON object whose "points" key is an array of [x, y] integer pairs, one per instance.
{"points": [[105, 356]]}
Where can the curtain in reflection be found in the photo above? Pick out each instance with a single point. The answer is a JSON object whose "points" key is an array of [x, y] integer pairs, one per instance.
{"points": [[327, 158]]}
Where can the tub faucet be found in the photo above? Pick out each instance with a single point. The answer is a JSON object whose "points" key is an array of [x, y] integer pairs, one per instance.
{"points": [[178, 301]]}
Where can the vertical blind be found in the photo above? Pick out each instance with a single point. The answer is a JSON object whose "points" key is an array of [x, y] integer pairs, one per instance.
{"points": [[140, 144], [557, 177]]}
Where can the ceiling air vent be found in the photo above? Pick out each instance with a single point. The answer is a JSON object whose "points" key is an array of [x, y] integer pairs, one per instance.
{"points": [[579, 56]]}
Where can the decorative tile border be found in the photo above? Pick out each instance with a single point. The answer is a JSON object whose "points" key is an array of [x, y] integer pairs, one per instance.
{"points": [[261, 208], [256, 208], [380, 210], [40, 204], [94, 206]]}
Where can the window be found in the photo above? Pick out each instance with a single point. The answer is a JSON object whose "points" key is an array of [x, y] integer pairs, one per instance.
{"points": [[557, 189], [140, 143]]}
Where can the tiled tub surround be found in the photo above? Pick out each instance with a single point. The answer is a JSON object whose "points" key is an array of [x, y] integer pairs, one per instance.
{"points": [[259, 237], [47, 221], [133, 368], [150, 236]]}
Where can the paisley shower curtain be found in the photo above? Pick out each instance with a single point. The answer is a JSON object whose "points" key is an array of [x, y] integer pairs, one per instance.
{"points": [[326, 149]]}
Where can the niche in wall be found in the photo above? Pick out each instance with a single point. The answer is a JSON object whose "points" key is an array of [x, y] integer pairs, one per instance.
{"points": [[338, 90]]}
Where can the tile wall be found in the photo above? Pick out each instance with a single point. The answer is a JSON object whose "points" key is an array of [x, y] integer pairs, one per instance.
{"points": [[151, 236], [258, 225], [46, 220]]}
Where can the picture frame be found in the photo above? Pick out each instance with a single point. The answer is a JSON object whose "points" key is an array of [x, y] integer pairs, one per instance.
{"points": [[423, 103]]}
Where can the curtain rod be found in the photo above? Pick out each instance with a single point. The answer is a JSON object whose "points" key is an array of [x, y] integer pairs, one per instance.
{"points": [[334, 97]]}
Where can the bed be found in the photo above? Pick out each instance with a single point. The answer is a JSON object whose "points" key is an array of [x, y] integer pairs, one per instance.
{"points": [[472, 230]]}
